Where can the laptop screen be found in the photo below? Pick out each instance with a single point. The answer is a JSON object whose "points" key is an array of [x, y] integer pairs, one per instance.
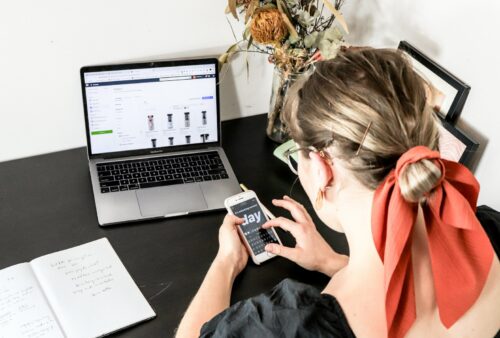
{"points": [[145, 108]]}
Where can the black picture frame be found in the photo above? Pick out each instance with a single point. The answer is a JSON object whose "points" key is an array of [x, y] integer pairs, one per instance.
{"points": [[456, 145], [450, 89]]}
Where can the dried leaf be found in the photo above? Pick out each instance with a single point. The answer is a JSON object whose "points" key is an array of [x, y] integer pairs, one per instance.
{"points": [[333, 34], [223, 58], [227, 10], [286, 18], [251, 9], [229, 52], [337, 15], [312, 10], [250, 41], [329, 49], [305, 19], [293, 40], [232, 8], [310, 40], [291, 28], [246, 33], [282, 8], [233, 48]]}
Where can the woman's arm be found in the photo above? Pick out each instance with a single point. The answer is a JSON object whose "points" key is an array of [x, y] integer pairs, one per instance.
{"points": [[215, 291], [212, 297]]}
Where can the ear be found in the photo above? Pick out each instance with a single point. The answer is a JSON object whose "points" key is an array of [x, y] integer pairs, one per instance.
{"points": [[322, 169]]}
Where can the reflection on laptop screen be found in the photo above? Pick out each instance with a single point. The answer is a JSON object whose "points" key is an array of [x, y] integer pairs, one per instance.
{"points": [[148, 108]]}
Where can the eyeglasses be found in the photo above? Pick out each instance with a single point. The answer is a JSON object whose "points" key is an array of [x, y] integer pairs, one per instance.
{"points": [[292, 160]]}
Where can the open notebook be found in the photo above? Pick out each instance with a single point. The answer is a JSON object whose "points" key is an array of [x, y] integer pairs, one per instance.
{"points": [[82, 292]]}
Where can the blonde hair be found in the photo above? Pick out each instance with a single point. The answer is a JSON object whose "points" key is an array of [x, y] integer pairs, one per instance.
{"points": [[364, 87]]}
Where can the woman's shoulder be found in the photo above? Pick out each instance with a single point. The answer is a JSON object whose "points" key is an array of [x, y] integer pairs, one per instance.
{"points": [[290, 309]]}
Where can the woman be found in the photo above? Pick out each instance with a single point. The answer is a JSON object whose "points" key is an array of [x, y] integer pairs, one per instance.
{"points": [[420, 262]]}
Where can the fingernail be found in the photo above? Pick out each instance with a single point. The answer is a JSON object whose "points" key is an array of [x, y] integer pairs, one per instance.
{"points": [[269, 248]]}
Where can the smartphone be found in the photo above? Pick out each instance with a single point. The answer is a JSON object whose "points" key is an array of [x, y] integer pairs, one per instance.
{"points": [[246, 205]]}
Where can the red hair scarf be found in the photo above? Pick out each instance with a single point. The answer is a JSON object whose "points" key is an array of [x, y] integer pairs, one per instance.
{"points": [[460, 251]]}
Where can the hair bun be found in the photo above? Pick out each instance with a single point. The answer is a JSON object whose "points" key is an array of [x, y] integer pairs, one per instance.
{"points": [[419, 178]]}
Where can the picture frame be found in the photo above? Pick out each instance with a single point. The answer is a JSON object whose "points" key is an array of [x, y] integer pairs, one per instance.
{"points": [[448, 93], [455, 145]]}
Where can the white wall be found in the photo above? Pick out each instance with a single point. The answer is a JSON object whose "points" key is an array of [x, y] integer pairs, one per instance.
{"points": [[44, 43]]}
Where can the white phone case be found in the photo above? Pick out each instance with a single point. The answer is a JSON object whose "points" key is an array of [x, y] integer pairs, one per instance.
{"points": [[239, 198]]}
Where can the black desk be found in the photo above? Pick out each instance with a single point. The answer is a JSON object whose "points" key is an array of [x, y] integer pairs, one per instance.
{"points": [[46, 205]]}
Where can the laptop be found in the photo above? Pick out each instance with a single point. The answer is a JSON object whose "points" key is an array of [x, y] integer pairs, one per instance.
{"points": [[154, 139]]}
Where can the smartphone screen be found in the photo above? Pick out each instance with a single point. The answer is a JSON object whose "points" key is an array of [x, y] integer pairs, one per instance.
{"points": [[254, 217]]}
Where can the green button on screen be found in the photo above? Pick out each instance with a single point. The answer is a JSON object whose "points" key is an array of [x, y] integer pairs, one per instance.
{"points": [[101, 132]]}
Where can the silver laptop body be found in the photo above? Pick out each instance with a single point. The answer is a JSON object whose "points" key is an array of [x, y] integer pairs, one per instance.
{"points": [[159, 118]]}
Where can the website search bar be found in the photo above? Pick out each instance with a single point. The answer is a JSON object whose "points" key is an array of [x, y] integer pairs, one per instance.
{"points": [[175, 78]]}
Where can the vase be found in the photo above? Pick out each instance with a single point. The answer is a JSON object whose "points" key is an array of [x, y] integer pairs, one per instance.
{"points": [[282, 81]]}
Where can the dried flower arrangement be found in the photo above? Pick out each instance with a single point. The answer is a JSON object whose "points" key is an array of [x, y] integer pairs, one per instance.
{"points": [[295, 34]]}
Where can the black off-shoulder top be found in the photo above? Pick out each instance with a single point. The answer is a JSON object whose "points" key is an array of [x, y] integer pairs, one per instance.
{"points": [[290, 309]]}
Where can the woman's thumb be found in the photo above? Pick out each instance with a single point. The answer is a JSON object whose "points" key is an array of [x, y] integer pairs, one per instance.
{"points": [[281, 250]]}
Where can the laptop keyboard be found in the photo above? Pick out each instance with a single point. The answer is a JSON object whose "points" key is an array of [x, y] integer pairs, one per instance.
{"points": [[160, 171]]}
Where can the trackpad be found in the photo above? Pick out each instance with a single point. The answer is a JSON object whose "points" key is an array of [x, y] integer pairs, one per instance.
{"points": [[168, 200]]}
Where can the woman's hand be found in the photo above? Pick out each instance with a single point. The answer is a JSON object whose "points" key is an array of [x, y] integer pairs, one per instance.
{"points": [[232, 253], [311, 250]]}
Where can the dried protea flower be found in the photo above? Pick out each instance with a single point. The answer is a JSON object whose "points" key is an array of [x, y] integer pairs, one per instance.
{"points": [[243, 2], [268, 26]]}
